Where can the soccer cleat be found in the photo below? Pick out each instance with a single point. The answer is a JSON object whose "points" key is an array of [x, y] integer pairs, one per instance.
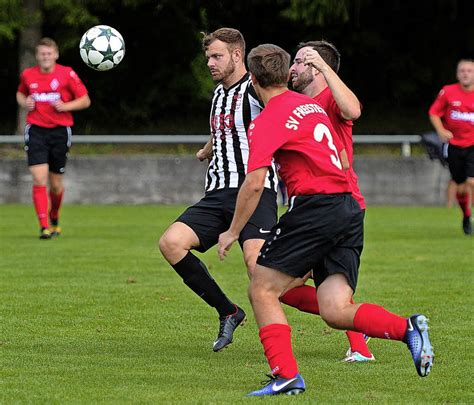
{"points": [[55, 230], [467, 225], [356, 357], [228, 324], [419, 344], [278, 385], [45, 233]]}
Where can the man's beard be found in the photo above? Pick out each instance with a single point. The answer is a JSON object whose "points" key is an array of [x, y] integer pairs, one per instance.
{"points": [[303, 80], [229, 69]]}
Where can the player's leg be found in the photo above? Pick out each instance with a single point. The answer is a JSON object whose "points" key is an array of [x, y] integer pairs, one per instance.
{"points": [[37, 151], [334, 295], [40, 197], [60, 141], [56, 193], [459, 161], [198, 228], [469, 167], [265, 288]]}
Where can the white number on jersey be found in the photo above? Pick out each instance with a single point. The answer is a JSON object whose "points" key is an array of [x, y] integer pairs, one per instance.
{"points": [[321, 130]]}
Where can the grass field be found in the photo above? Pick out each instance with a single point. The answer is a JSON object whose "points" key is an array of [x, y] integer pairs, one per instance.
{"points": [[97, 316]]}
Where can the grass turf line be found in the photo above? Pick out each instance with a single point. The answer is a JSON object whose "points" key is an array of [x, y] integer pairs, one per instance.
{"points": [[97, 315]]}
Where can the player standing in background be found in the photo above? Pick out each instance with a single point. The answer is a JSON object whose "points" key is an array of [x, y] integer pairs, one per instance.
{"points": [[234, 106], [452, 116], [323, 223], [314, 73], [49, 92]]}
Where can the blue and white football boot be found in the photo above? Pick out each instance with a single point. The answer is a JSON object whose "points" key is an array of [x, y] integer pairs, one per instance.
{"points": [[278, 385], [418, 342]]}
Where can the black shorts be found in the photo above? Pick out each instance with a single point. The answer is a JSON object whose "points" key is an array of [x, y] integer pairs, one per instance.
{"points": [[461, 163], [323, 233], [48, 145], [213, 214]]}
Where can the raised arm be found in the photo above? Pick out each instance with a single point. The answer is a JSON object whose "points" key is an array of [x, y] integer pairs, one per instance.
{"points": [[345, 98]]}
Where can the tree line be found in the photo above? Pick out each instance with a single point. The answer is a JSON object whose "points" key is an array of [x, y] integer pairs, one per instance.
{"points": [[396, 54]]}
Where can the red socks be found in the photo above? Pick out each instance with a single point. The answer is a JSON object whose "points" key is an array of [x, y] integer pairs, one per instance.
{"points": [[377, 322], [463, 201], [358, 343], [303, 298], [276, 341], [56, 200], [40, 201]]}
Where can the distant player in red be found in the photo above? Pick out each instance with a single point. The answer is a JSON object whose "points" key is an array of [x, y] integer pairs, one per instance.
{"points": [[314, 73], [322, 229], [452, 116], [49, 92]]}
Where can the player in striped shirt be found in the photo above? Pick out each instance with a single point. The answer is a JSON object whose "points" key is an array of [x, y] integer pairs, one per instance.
{"points": [[234, 106]]}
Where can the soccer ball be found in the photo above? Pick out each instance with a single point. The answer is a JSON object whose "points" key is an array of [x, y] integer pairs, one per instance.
{"points": [[102, 47]]}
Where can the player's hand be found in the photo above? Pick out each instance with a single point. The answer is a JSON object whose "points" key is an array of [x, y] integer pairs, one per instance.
{"points": [[226, 240], [59, 106], [445, 135], [30, 103], [314, 59], [203, 154]]}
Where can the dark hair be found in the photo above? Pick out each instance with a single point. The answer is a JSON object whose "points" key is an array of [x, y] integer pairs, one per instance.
{"points": [[47, 42], [270, 65], [328, 52], [232, 37]]}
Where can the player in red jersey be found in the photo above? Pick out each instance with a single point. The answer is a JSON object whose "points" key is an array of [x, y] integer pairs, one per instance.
{"points": [[49, 92], [314, 73], [452, 116], [322, 229]]}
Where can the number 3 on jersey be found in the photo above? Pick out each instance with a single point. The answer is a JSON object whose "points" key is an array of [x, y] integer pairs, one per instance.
{"points": [[320, 131]]}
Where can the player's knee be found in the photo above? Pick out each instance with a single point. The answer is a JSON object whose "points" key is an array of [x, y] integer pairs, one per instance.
{"points": [[332, 316], [256, 292], [168, 243], [56, 189]]}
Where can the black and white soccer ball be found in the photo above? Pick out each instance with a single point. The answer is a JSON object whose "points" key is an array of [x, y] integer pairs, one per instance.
{"points": [[102, 47]]}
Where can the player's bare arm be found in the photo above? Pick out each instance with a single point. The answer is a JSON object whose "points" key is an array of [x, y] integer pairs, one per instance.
{"points": [[345, 98], [442, 132], [206, 151], [80, 103], [26, 102], [247, 201]]}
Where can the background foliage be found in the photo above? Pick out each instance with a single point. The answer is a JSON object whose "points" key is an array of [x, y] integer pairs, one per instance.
{"points": [[396, 55]]}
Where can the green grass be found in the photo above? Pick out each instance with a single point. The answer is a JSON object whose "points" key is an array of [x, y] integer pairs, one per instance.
{"points": [[97, 316]]}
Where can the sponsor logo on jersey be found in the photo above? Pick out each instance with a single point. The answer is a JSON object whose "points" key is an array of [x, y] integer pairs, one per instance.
{"points": [[46, 97], [462, 116]]}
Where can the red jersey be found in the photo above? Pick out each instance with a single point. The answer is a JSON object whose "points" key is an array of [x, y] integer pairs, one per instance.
{"points": [[46, 88], [344, 129], [455, 107], [297, 132]]}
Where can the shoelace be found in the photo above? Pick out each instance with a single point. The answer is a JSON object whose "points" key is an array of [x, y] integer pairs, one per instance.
{"points": [[271, 378]]}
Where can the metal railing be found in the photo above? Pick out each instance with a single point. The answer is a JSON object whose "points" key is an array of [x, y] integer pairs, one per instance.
{"points": [[404, 140]]}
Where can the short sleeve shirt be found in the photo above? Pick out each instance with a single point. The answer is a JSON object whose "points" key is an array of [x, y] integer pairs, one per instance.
{"points": [[297, 132], [46, 88], [455, 107]]}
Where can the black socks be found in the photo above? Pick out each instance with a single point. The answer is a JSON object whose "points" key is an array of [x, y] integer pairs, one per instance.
{"points": [[196, 276]]}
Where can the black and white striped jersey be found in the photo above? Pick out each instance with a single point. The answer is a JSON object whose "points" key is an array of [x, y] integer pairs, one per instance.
{"points": [[232, 111]]}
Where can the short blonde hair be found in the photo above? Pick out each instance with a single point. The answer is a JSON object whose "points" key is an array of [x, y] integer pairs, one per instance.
{"points": [[51, 43]]}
